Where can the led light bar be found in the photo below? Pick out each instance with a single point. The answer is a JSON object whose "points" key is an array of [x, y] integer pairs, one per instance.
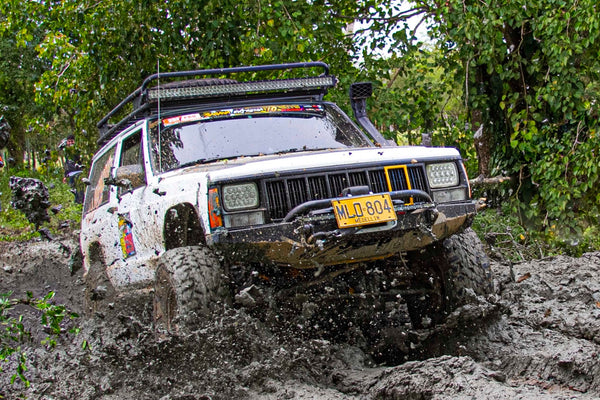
{"points": [[239, 88], [143, 97]]}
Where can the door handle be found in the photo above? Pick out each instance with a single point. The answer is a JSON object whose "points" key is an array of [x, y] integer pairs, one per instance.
{"points": [[159, 192]]}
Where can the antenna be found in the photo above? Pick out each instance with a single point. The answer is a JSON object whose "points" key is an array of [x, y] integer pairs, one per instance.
{"points": [[158, 112]]}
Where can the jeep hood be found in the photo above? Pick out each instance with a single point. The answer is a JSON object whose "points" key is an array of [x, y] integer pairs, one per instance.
{"points": [[307, 161]]}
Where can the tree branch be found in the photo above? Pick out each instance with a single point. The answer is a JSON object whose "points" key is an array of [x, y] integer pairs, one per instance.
{"points": [[481, 180], [414, 31], [402, 16]]}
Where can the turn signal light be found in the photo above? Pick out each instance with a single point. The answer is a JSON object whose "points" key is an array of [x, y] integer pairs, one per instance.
{"points": [[214, 209]]}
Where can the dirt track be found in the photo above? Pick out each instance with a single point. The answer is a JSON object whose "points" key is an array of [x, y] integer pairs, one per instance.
{"points": [[539, 338]]}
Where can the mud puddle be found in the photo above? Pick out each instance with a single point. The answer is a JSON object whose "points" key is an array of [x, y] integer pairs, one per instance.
{"points": [[539, 338]]}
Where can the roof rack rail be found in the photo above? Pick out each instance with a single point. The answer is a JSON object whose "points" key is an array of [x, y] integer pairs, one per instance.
{"points": [[144, 96]]}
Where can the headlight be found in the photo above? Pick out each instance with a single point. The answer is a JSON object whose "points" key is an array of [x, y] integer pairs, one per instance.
{"points": [[442, 175], [450, 195], [246, 218], [240, 197]]}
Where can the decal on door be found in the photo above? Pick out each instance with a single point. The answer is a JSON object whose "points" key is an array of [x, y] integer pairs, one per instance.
{"points": [[126, 236]]}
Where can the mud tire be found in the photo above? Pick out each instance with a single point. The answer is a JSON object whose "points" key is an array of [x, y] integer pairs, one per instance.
{"points": [[188, 286], [451, 272], [469, 268]]}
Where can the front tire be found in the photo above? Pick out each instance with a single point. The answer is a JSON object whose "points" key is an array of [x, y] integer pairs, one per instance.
{"points": [[446, 273], [188, 286], [468, 268]]}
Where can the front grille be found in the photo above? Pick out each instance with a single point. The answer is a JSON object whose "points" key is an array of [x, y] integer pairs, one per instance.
{"points": [[283, 194], [397, 178]]}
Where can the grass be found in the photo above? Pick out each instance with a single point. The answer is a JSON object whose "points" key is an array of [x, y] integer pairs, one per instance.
{"points": [[506, 239]]}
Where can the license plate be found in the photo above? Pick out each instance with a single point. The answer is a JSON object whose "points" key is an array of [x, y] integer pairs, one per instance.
{"points": [[365, 210]]}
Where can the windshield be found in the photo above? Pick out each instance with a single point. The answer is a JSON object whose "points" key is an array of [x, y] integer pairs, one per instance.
{"points": [[248, 131]]}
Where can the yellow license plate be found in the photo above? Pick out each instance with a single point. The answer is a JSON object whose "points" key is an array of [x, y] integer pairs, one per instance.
{"points": [[365, 210]]}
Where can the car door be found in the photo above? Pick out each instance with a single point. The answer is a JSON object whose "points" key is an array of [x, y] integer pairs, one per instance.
{"points": [[139, 230], [98, 224]]}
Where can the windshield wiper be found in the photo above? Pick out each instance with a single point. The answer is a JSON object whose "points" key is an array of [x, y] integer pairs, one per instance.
{"points": [[295, 150], [208, 160], [287, 151], [192, 163]]}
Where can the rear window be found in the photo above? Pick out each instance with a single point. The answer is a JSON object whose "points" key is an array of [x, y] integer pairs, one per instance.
{"points": [[201, 137]]}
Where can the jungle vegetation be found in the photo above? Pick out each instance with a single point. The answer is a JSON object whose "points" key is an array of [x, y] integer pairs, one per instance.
{"points": [[514, 85]]}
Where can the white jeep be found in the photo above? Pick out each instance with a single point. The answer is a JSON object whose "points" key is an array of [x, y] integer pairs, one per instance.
{"points": [[212, 189]]}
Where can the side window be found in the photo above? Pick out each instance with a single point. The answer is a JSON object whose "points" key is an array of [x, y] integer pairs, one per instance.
{"points": [[131, 164], [131, 152], [97, 192]]}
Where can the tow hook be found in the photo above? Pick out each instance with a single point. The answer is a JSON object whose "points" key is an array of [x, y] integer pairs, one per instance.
{"points": [[321, 237], [432, 216]]}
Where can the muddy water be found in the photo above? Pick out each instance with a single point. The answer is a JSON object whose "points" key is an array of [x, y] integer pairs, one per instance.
{"points": [[539, 338]]}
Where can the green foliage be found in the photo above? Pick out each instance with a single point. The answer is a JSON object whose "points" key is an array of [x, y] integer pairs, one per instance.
{"points": [[563, 196], [20, 68], [530, 75], [507, 239], [14, 333], [527, 73], [95, 53], [419, 97]]}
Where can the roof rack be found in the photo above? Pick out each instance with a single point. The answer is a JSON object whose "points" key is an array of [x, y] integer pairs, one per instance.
{"points": [[205, 90]]}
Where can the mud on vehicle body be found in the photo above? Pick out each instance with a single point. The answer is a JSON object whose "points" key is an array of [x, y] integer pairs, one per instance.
{"points": [[280, 192]]}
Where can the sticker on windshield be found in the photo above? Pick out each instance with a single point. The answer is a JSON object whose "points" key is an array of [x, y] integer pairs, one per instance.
{"points": [[243, 111]]}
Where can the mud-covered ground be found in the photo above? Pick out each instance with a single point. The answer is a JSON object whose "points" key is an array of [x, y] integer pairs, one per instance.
{"points": [[539, 338]]}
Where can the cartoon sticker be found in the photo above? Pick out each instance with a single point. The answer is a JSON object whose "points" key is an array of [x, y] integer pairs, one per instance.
{"points": [[126, 236]]}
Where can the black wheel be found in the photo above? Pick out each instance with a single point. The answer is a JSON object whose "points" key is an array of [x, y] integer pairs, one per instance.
{"points": [[444, 274], [188, 285], [99, 291], [469, 268]]}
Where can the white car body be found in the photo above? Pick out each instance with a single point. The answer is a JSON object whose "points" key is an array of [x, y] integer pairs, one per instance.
{"points": [[141, 203], [146, 209]]}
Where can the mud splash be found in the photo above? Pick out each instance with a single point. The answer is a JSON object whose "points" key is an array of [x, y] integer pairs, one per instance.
{"points": [[30, 196], [539, 338]]}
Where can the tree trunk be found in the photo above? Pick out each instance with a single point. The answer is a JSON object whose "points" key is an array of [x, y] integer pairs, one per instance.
{"points": [[482, 140], [16, 147]]}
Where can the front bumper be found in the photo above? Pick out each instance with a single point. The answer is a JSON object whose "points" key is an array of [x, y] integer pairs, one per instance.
{"points": [[315, 240]]}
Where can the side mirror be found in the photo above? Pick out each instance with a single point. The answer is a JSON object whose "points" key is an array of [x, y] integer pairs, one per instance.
{"points": [[128, 177], [133, 173]]}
